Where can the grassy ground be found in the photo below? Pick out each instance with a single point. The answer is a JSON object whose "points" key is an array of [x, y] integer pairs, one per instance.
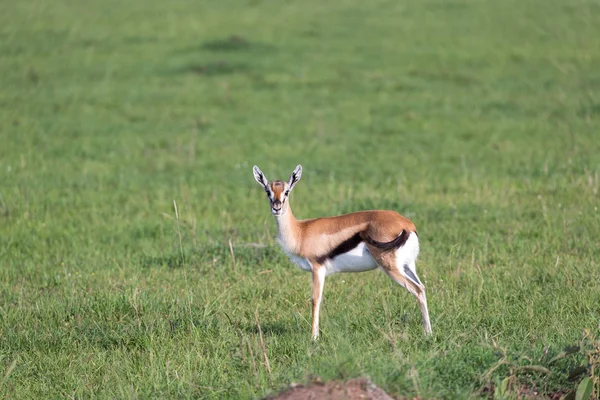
{"points": [[476, 119]]}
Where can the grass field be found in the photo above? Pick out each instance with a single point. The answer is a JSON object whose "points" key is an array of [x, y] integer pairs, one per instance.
{"points": [[478, 120]]}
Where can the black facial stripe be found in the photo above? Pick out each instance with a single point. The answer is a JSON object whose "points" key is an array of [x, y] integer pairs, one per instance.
{"points": [[269, 194]]}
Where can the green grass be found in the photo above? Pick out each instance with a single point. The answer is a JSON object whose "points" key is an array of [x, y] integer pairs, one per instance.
{"points": [[478, 120]]}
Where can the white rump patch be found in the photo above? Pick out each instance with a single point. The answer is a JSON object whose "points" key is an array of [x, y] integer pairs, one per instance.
{"points": [[406, 257]]}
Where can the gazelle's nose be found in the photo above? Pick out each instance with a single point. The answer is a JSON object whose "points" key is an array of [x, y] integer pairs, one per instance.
{"points": [[276, 205]]}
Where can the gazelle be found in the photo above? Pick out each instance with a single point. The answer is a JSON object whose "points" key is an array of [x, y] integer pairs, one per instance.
{"points": [[355, 242]]}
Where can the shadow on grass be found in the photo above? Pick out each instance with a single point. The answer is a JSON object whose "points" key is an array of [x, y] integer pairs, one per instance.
{"points": [[214, 68], [206, 256], [587, 111], [225, 46], [277, 328], [174, 260], [235, 43], [228, 45]]}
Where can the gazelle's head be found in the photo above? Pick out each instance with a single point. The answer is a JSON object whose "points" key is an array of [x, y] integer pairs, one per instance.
{"points": [[278, 191]]}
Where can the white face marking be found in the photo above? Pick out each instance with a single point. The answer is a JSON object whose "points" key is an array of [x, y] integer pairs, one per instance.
{"points": [[277, 196], [277, 191]]}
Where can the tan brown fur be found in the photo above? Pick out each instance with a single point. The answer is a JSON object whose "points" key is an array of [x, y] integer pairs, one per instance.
{"points": [[314, 237]]}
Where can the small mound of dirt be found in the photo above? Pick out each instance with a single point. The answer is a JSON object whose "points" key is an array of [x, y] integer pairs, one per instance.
{"points": [[353, 389]]}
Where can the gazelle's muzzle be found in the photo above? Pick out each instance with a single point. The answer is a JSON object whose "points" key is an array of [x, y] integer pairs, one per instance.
{"points": [[276, 207]]}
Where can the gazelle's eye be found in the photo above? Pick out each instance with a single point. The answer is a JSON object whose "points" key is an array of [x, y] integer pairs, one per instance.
{"points": [[287, 192]]}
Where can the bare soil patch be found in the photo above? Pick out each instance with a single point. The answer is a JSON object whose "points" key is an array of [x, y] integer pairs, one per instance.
{"points": [[353, 389]]}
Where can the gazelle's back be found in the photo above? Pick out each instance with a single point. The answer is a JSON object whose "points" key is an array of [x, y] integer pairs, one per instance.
{"points": [[379, 225]]}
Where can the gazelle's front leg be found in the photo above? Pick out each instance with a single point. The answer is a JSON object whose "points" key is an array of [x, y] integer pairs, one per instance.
{"points": [[318, 281]]}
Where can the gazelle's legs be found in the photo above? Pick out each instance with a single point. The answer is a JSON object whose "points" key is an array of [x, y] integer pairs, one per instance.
{"points": [[416, 289], [410, 270], [424, 312], [404, 273], [318, 281]]}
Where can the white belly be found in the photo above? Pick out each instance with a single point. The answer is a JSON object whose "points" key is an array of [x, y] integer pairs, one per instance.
{"points": [[301, 262], [356, 260]]}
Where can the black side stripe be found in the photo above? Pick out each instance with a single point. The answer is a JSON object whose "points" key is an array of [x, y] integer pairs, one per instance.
{"points": [[342, 248], [393, 245]]}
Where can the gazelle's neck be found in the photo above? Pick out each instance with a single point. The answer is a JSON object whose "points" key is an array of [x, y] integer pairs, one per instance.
{"points": [[287, 227]]}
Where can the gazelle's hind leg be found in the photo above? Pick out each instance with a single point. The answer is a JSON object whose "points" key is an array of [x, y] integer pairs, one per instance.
{"points": [[410, 271], [400, 266], [406, 278]]}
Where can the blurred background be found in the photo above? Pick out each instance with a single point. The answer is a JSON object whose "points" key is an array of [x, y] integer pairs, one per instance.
{"points": [[476, 119]]}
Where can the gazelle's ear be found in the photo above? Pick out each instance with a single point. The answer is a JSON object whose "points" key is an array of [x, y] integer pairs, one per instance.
{"points": [[260, 177], [295, 177]]}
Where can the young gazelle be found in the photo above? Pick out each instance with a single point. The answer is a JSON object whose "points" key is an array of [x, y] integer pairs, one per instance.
{"points": [[356, 242]]}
